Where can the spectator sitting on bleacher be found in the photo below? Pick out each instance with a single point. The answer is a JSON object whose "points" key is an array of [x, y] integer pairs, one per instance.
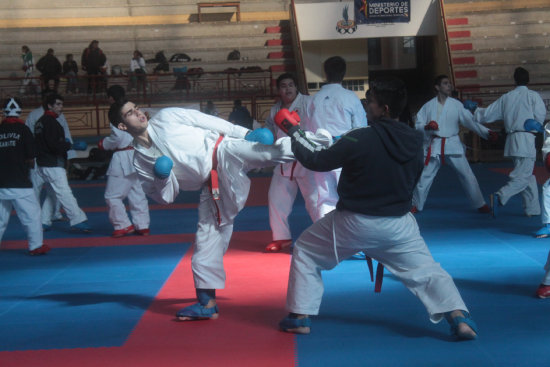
{"points": [[50, 69], [70, 71], [137, 71]]}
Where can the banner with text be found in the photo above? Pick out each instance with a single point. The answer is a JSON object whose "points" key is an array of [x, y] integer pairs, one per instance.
{"points": [[381, 11]]}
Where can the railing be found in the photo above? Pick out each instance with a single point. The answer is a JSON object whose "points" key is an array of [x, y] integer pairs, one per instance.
{"points": [[86, 110], [191, 86]]}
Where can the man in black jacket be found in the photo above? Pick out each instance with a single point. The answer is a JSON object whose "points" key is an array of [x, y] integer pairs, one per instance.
{"points": [[51, 160], [50, 69], [381, 165], [17, 153]]}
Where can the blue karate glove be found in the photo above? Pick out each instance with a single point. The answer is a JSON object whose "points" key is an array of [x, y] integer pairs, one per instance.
{"points": [[163, 166], [533, 126], [79, 145], [261, 135], [470, 105]]}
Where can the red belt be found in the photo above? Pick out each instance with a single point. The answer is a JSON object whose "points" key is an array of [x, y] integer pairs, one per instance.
{"points": [[291, 170], [430, 151], [129, 147], [379, 275], [214, 181]]}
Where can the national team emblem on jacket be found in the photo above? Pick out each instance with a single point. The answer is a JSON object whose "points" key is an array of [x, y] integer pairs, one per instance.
{"points": [[346, 25]]}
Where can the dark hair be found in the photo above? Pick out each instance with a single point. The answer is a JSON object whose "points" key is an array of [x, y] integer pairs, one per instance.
{"points": [[25, 48], [521, 76], [115, 115], [50, 51], [68, 55], [286, 76], [117, 92], [335, 69], [237, 103], [438, 79], [50, 98], [389, 91]]}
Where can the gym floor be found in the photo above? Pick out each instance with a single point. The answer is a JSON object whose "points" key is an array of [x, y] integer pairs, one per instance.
{"points": [[94, 300]]}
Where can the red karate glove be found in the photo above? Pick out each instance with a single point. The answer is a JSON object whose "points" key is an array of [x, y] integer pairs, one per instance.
{"points": [[493, 136], [432, 125], [286, 120], [547, 162], [100, 145]]}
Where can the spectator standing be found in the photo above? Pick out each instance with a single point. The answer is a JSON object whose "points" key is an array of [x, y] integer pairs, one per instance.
{"points": [[93, 59], [28, 69]]}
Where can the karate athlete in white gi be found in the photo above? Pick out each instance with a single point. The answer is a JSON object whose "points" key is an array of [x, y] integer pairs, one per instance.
{"points": [[289, 177], [180, 149], [336, 110], [51, 159], [33, 116], [122, 180], [440, 119], [514, 108], [543, 291], [17, 153], [381, 165]]}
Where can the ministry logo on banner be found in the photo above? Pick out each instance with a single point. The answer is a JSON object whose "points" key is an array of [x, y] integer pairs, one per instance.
{"points": [[382, 11], [346, 25]]}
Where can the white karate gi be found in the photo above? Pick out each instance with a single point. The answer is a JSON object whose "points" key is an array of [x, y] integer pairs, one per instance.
{"points": [[26, 207], [49, 199], [122, 182], [289, 177], [545, 214], [336, 110], [188, 137], [514, 108], [403, 252], [448, 118]]}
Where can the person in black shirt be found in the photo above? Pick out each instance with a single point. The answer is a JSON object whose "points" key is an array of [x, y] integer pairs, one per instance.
{"points": [[70, 71], [50, 69], [51, 160], [17, 152], [381, 165], [240, 115]]}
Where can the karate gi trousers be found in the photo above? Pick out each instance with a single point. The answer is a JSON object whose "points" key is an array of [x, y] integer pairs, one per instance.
{"points": [[27, 209], [56, 177], [393, 241]]}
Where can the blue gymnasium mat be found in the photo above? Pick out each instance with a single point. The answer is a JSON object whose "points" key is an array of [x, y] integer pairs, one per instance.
{"points": [[496, 265], [95, 295]]}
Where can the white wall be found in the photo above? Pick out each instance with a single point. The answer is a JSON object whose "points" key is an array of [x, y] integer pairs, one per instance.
{"points": [[317, 21]]}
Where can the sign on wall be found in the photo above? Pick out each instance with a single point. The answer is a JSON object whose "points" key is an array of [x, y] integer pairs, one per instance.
{"points": [[382, 11], [342, 19]]}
